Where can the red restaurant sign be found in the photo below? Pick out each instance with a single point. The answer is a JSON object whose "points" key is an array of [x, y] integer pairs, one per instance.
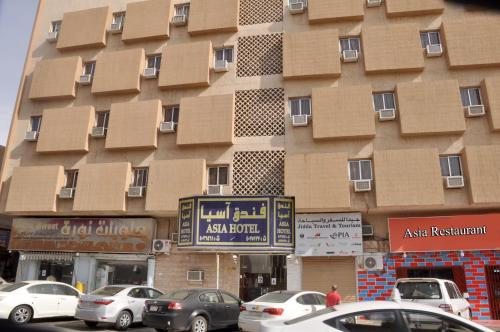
{"points": [[447, 233]]}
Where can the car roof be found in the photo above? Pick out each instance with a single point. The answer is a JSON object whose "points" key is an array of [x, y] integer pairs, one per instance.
{"points": [[422, 280], [384, 305], [38, 282]]}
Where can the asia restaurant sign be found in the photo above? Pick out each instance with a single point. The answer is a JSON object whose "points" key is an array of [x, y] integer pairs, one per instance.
{"points": [[110, 235], [237, 223], [329, 234]]}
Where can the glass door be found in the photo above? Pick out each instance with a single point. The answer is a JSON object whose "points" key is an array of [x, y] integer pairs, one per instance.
{"points": [[261, 274]]}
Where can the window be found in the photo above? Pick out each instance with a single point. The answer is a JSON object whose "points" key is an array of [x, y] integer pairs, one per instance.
{"points": [[35, 123], [138, 293], [118, 19], [470, 96], [171, 114], [419, 290], [218, 175], [209, 297], [423, 322], [300, 106], [373, 321], [154, 61], [229, 298], [55, 26], [182, 9], [225, 53], [102, 119], [71, 177], [452, 293], [46, 289], [350, 44], [383, 101], [88, 68], [430, 38], [308, 299], [450, 165], [65, 290], [153, 293], [360, 170], [140, 177]]}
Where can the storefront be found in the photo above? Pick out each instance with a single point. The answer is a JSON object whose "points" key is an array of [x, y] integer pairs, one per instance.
{"points": [[8, 259], [462, 248], [93, 251]]}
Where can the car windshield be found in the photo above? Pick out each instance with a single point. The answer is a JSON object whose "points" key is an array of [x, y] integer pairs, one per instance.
{"points": [[309, 316], [419, 290], [13, 287], [275, 297], [108, 291], [176, 295]]}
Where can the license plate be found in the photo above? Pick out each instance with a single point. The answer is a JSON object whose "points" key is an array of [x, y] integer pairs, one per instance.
{"points": [[153, 308]]}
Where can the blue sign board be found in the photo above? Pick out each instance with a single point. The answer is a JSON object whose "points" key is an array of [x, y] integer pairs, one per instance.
{"points": [[233, 223]]}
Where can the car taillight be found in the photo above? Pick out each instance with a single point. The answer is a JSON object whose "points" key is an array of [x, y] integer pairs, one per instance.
{"points": [[103, 302], [446, 307], [174, 306], [274, 311], [242, 308]]}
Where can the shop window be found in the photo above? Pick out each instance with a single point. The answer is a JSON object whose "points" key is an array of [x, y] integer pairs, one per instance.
{"points": [[71, 177], [360, 170], [430, 38], [218, 175], [60, 271], [471, 97], [121, 273], [384, 101], [224, 54], [300, 106], [450, 166], [171, 114]]}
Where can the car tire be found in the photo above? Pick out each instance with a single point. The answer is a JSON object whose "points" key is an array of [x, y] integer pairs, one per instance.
{"points": [[123, 320], [21, 314], [199, 324], [90, 323]]}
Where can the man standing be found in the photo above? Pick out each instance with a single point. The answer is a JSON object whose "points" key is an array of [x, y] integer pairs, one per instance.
{"points": [[333, 297]]}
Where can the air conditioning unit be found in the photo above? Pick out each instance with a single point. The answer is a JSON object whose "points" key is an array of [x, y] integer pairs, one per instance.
{"points": [[367, 230], [31, 136], [372, 262], [66, 193], [474, 110], [85, 79], [98, 132], [387, 114], [453, 182], [179, 20], [135, 191], [434, 50], [350, 56], [52, 36], [299, 120], [215, 189], [116, 28], [296, 7], [161, 246], [167, 127], [373, 3], [149, 73], [174, 237], [362, 185], [221, 66], [195, 276]]}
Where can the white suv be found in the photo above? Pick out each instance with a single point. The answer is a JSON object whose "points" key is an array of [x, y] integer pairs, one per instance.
{"points": [[435, 292]]}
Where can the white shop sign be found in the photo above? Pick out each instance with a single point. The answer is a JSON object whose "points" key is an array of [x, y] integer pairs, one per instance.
{"points": [[328, 234]]}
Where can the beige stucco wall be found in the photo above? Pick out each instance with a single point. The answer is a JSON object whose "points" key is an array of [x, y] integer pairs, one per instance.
{"points": [[483, 169], [102, 187], [343, 112], [206, 120], [208, 16], [55, 78], [66, 129], [119, 71], [34, 189], [311, 54], [430, 108], [491, 98], [84, 28], [146, 20], [320, 11], [134, 125], [411, 7]]}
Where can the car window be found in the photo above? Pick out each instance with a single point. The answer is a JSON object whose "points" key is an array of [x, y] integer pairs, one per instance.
{"points": [[373, 321], [138, 293], [13, 287], [321, 299], [424, 322], [46, 289], [108, 291], [64, 290], [452, 293], [229, 298], [209, 297], [275, 297], [307, 299], [177, 295], [419, 290], [153, 293], [460, 295]]}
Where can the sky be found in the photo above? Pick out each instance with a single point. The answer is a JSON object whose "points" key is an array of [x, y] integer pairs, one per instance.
{"points": [[16, 23]]}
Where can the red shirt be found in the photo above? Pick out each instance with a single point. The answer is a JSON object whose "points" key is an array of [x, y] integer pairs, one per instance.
{"points": [[332, 298]]}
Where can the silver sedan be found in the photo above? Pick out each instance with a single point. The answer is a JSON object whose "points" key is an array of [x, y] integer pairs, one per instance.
{"points": [[120, 305]]}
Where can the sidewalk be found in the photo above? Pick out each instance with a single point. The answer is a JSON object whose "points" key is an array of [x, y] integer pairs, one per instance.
{"points": [[492, 324]]}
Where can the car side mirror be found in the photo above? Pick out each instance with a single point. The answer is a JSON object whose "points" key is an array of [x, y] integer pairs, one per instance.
{"points": [[465, 295]]}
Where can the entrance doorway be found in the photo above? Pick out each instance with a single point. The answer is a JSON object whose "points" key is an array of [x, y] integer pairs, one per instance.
{"points": [[261, 274], [493, 282], [61, 271]]}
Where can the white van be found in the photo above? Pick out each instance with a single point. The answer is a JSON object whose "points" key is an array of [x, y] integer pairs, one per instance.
{"points": [[435, 292]]}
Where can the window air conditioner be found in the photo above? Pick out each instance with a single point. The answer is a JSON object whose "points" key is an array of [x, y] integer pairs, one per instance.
{"points": [[167, 127], [195, 276], [174, 237], [367, 230], [387, 114], [135, 191], [299, 120], [296, 7], [350, 55], [179, 20], [373, 3], [150, 73], [66, 193], [215, 189], [161, 246], [434, 50], [52, 36], [362, 185], [221, 66], [31, 136], [85, 79], [474, 110], [98, 132], [453, 182], [116, 28]]}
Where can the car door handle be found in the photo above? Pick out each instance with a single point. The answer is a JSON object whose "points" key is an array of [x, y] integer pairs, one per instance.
{"points": [[228, 306]]}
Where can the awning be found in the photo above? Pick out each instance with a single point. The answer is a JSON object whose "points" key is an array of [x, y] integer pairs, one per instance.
{"points": [[46, 256]]}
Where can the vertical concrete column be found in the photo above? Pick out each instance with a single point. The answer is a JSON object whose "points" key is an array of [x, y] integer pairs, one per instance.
{"points": [[293, 272]]}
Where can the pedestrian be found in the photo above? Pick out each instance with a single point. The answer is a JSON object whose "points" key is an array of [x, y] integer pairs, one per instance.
{"points": [[333, 297]]}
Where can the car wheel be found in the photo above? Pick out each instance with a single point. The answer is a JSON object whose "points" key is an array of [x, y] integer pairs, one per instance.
{"points": [[199, 324], [90, 324], [123, 321], [21, 314]]}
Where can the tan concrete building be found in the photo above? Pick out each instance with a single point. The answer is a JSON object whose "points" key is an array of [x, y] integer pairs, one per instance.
{"points": [[386, 110]]}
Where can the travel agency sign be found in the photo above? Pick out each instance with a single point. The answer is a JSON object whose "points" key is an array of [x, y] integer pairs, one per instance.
{"points": [[237, 223]]}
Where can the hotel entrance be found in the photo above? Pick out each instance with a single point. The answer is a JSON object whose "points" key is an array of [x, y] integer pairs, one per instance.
{"points": [[261, 274]]}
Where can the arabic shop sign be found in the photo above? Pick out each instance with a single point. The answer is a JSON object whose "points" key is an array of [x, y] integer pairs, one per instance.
{"points": [[231, 223], [110, 235]]}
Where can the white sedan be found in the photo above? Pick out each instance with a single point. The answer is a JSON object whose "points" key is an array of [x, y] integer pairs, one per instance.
{"points": [[279, 306], [377, 316], [22, 301]]}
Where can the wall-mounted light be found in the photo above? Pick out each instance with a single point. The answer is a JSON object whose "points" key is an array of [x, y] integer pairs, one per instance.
{"points": [[462, 254], [404, 255]]}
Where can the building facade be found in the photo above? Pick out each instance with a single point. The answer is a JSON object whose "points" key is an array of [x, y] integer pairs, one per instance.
{"points": [[382, 110]]}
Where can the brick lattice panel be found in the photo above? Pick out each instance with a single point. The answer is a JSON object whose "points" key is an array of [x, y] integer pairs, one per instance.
{"points": [[258, 173], [260, 11], [260, 55], [260, 113]]}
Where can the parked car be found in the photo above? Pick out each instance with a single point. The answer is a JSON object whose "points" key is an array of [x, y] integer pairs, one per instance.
{"points": [[376, 316], [197, 310], [120, 305], [22, 301], [435, 292], [279, 306]]}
